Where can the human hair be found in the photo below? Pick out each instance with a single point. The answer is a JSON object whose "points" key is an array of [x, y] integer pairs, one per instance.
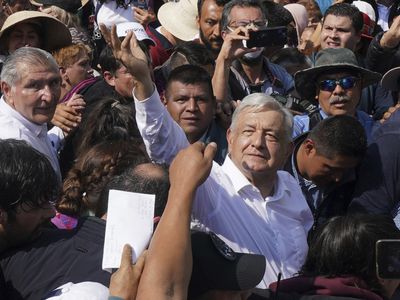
{"points": [[225, 18], [287, 57], [145, 178], [108, 119], [276, 15], [189, 74], [26, 176], [345, 246], [108, 62], [201, 2], [195, 53], [347, 10], [92, 171], [23, 60], [67, 56], [258, 102], [339, 135]]}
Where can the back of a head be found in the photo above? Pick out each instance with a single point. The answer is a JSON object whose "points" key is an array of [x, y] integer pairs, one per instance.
{"points": [[26, 176], [190, 74], [345, 246], [195, 53], [339, 135], [145, 178], [347, 10], [108, 119], [92, 171]]}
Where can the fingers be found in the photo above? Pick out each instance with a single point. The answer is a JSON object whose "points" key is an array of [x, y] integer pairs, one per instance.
{"points": [[210, 151], [126, 257], [106, 33], [139, 266]]}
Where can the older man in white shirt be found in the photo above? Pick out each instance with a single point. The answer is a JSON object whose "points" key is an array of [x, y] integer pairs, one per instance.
{"points": [[31, 86], [251, 205]]}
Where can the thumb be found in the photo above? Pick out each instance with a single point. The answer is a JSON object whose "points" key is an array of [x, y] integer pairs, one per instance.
{"points": [[210, 151], [126, 257]]}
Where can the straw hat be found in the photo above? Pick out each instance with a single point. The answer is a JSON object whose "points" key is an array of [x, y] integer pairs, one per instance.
{"points": [[71, 6], [329, 61], [179, 18], [55, 34]]}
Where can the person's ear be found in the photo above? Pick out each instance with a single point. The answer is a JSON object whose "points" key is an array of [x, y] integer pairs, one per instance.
{"points": [[198, 22], [229, 138], [6, 90], [309, 147], [164, 99], [109, 78]]}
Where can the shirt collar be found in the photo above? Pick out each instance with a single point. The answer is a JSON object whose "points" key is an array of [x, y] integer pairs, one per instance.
{"points": [[239, 181], [35, 128]]}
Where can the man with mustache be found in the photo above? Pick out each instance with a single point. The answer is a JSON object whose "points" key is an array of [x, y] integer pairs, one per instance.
{"points": [[335, 82]]}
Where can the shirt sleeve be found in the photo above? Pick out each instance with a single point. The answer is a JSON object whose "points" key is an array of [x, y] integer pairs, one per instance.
{"points": [[56, 137], [162, 136]]}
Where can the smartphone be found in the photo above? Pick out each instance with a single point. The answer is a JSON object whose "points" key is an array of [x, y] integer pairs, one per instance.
{"points": [[269, 37], [388, 259]]}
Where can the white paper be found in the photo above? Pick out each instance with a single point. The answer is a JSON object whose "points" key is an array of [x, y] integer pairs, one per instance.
{"points": [[129, 221]]}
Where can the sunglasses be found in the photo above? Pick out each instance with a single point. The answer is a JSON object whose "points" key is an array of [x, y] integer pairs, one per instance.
{"points": [[345, 82]]}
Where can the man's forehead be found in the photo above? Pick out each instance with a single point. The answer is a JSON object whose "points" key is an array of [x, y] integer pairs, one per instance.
{"points": [[37, 72], [338, 20], [253, 116]]}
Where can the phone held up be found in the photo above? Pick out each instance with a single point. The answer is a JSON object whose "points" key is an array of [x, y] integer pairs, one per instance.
{"points": [[269, 37]]}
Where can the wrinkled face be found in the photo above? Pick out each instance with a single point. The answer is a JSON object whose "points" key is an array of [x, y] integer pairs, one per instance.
{"points": [[23, 34], [27, 223], [338, 32], [192, 106], [258, 144], [340, 101], [324, 171], [123, 82], [36, 94], [208, 22], [80, 70]]}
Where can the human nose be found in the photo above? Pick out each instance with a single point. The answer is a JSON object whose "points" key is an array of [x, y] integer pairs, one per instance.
{"points": [[338, 89], [217, 31], [258, 140], [191, 105]]}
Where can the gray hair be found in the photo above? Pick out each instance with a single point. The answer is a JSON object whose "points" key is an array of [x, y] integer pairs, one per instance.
{"points": [[23, 59], [258, 102], [225, 18]]}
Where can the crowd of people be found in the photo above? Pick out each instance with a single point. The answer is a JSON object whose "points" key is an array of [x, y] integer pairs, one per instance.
{"points": [[275, 168]]}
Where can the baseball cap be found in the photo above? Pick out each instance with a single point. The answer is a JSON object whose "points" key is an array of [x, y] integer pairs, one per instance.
{"points": [[138, 29]]}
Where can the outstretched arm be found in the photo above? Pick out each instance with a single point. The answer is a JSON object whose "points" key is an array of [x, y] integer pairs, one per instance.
{"points": [[169, 258]]}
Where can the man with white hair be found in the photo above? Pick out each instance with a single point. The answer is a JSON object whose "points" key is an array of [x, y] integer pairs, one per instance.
{"points": [[251, 205], [31, 86]]}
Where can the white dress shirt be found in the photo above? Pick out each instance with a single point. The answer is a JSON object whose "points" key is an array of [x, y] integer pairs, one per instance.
{"points": [[230, 206], [15, 126]]}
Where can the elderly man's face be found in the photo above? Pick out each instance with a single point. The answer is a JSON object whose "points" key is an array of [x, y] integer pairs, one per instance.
{"points": [[258, 144], [338, 32], [339, 94], [36, 94], [209, 19]]}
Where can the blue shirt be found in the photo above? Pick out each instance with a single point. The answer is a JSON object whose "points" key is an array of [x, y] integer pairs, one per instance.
{"points": [[302, 123]]}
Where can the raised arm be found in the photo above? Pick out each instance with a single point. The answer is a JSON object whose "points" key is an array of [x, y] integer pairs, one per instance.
{"points": [[169, 259]]}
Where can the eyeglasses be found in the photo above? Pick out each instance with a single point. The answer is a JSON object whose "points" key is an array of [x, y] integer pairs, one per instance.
{"points": [[260, 24], [345, 82]]}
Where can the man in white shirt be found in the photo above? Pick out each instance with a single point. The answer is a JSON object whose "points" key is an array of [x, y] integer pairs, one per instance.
{"points": [[251, 205], [31, 86]]}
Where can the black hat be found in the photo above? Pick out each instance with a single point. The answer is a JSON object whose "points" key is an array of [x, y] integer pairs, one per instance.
{"points": [[217, 267], [329, 61]]}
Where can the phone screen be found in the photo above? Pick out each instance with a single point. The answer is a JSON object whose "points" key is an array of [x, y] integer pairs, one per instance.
{"points": [[388, 259], [269, 37]]}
